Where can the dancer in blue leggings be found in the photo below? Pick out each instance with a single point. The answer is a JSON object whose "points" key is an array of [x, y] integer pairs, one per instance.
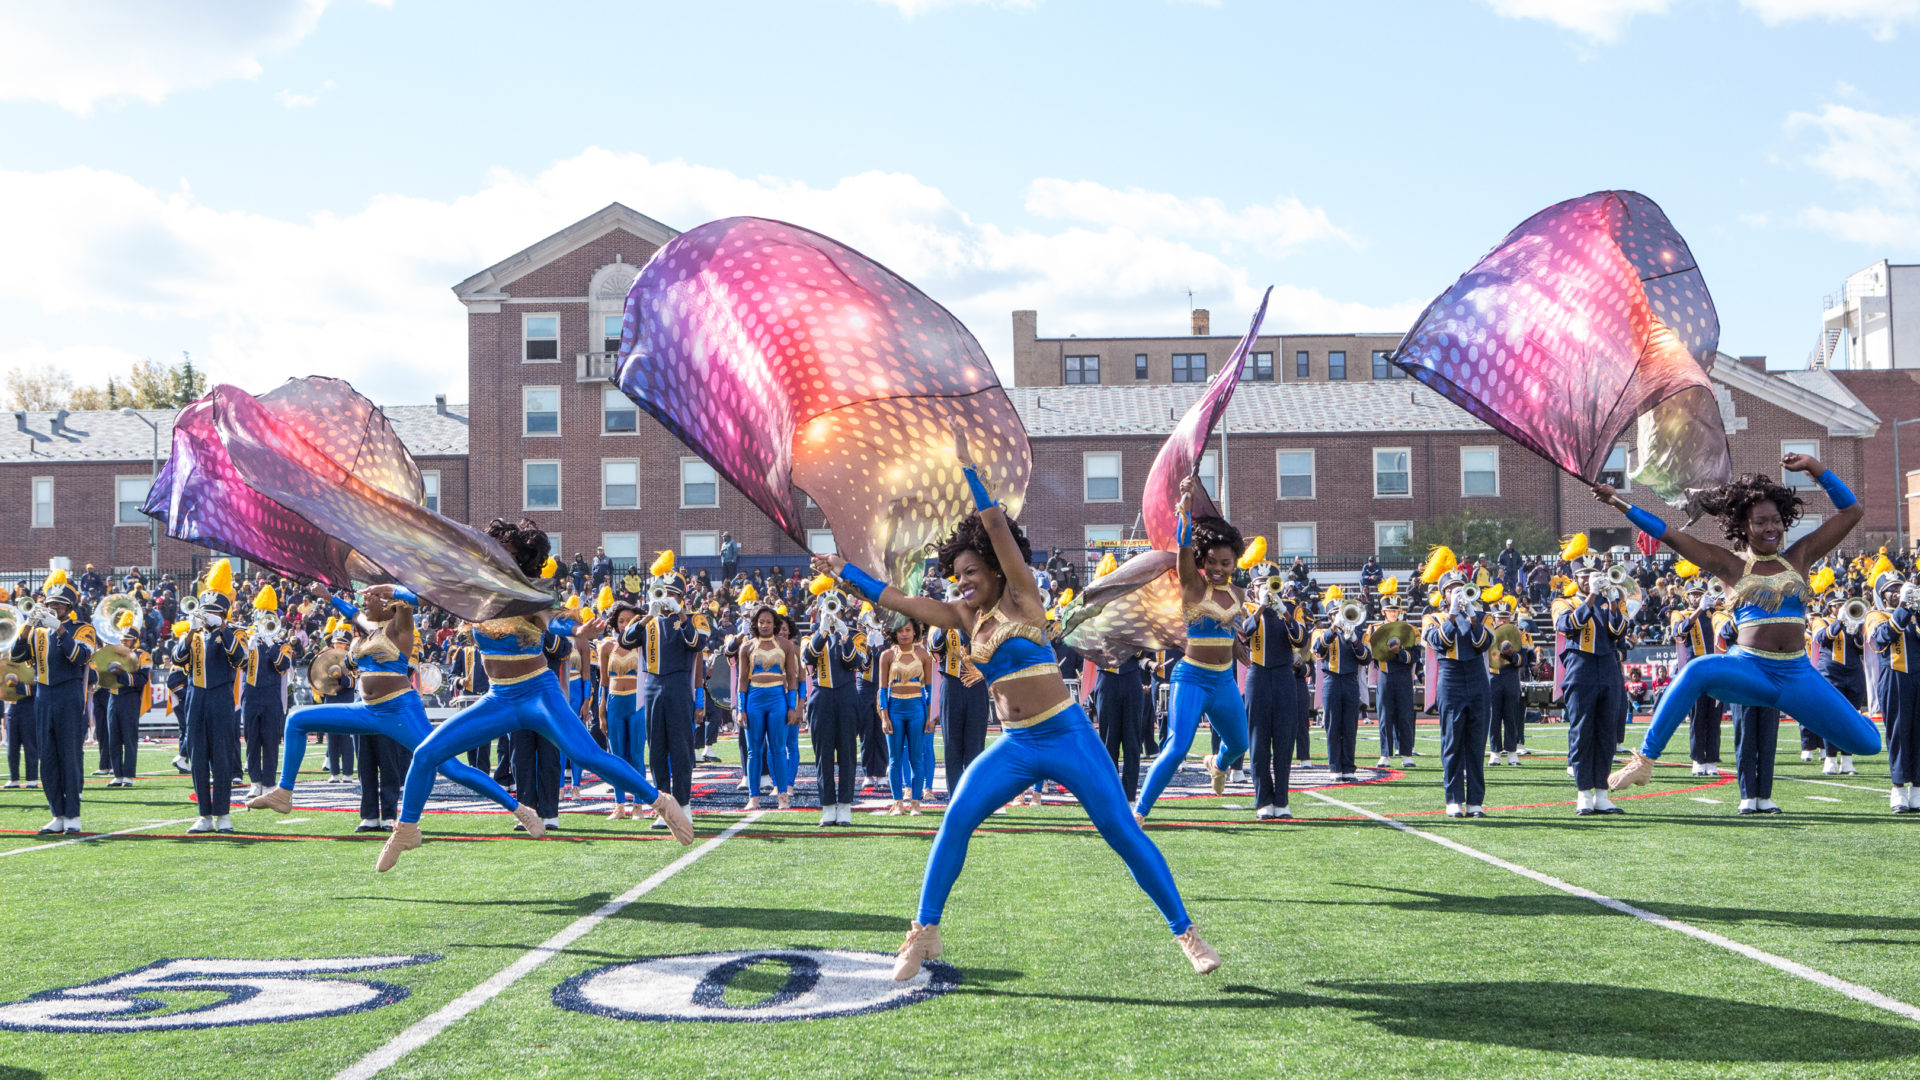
{"points": [[1203, 682], [388, 705], [523, 695], [904, 668], [1045, 735], [770, 666], [1767, 588], [626, 720]]}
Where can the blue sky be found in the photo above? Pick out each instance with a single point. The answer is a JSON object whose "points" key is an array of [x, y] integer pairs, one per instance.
{"points": [[291, 186]]}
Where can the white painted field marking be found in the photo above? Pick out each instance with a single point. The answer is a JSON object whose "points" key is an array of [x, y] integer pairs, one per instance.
{"points": [[1859, 993], [96, 836], [1830, 783], [1820, 798], [1704, 799], [424, 1030]]}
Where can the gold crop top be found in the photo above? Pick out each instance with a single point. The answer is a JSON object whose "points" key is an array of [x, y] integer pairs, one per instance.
{"points": [[768, 663], [1209, 620], [906, 671], [1760, 599]]}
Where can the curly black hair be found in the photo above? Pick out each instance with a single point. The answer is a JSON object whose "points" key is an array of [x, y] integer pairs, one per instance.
{"points": [[623, 607], [1733, 504], [919, 631], [1210, 532], [971, 535], [753, 623], [526, 544]]}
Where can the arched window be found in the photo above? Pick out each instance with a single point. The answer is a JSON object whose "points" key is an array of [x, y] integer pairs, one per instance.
{"points": [[607, 304]]}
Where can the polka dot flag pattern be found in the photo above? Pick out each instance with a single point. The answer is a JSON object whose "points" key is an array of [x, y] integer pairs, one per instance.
{"points": [[1590, 318], [1136, 609], [789, 361], [311, 480]]}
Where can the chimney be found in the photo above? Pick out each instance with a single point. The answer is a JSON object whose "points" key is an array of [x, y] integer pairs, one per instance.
{"points": [[60, 420], [440, 404], [20, 419], [1200, 323], [1757, 363]]}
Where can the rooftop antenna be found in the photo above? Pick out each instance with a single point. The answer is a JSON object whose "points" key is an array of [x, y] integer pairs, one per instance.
{"points": [[1189, 301]]}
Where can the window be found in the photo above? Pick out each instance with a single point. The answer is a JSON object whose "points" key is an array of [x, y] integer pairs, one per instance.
{"points": [[1083, 370], [1615, 470], [1384, 368], [699, 484], [43, 502], [1337, 365], [820, 541], [1103, 534], [620, 484], [1296, 474], [540, 339], [618, 414], [1102, 473], [1393, 539], [542, 486], [1210, 474], [1302, 369], [1140, 367], [610, 332], [1299, 538], [540, 410], [557, 545], [1189, 367], [129, 494], [698, 544], [1809, 447], [430, 488], [1806, 524], [1391, 475], [622, 548], [1258, 368], [1479, 470]]}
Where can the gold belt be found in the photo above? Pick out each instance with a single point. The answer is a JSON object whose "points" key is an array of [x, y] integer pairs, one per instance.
{"points": [[1768, 654], [1029, 672], [1204, 665], [1039, 717]]}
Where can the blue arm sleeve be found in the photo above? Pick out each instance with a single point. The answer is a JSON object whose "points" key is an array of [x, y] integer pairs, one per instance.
{"points": [[1647, 523], [982, 499], [866, 584], [699, 697], [344, 607], [406, 596], [1837, 490]]}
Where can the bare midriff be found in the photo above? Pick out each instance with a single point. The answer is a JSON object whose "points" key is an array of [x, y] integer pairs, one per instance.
{"points": [[512, 669], [383, 684]]}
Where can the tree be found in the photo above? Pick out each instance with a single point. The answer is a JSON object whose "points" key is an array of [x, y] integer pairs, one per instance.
{"points": [[38, 388], [87, 397], [149, 385], [1470, 533], [188, 384]]}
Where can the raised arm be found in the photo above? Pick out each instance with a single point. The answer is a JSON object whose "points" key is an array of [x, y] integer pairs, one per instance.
{"points": [[1822, 540], [1712, 558], [1193, 587], [923, 609]]}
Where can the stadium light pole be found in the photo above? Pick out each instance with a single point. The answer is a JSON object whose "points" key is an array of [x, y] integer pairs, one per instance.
{"points": [[153, 526]]}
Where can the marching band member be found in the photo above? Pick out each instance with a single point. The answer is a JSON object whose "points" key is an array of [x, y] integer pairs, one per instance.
{"points": [[1273, 708], [1046, 735], [17, 689], [1756, 740], [1840, 642], [341, 753], [771, 665], [1506, 700], [1896, 639], [470, 680], [670, 640], [1768, 666], [965, 705], [126, 705], [523, 696], [211, 652], [1203, 683], [1695, 632], [1121, 703], [903, 668], [835, 655], [1342, 657], [626, 721], [874, 753], [263, 710], [1395, 699], [1593, 629], [1461, 640], [58, 647]]}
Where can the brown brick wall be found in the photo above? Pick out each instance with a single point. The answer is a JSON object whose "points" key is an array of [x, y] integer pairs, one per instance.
{"points": [[1892, 395], [1039, 361], [83, 516]]}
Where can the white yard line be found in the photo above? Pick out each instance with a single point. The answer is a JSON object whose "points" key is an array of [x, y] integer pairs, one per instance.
{"points": [[424, 1030], [96, 836], [1830, 783], [1855, 991], [1820, 798]]}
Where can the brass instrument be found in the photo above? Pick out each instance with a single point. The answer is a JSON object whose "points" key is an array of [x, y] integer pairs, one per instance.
{"points": [[1717, 591], [190, 611], [21, 673], [1507, 641], [1349, 617], [1617, 576], [1853, 614], [107, 658], [1388, 634], [12, 622], [106, 617], [327, 672], [432, 678]]}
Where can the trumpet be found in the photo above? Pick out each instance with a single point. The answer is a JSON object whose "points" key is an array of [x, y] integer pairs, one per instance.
{"points": [[1617, 576], [1349, 617], [267, 626], [1853, 614], [190, 610]]}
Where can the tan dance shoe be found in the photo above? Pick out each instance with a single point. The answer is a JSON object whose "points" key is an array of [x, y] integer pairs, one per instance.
{"points": [[277, 799], [528, 816], [406, 837], [922, 944], [1216, 774], [1205, 961], [1637, 770], [679, 823]]}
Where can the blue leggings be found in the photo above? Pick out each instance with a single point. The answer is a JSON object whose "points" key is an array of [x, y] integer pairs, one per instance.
{"points": [[402, 719], [535, 704], [906, 747], [1738, 677], [765, 711], [627, 734], [1065, 749], [1197, 692]]}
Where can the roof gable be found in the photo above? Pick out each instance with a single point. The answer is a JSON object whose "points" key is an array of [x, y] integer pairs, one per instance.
{"points": [[490, 284]]}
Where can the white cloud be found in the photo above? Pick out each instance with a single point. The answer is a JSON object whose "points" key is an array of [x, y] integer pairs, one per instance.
{"points": [[365, 295], [1882, 17], [1874, 153], [1597, 20], [912, 8], [302, 101], [79, 53], [1277, 228]]}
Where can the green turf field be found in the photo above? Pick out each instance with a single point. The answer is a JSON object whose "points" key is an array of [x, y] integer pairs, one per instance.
{"points": [[1351, 948]]}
